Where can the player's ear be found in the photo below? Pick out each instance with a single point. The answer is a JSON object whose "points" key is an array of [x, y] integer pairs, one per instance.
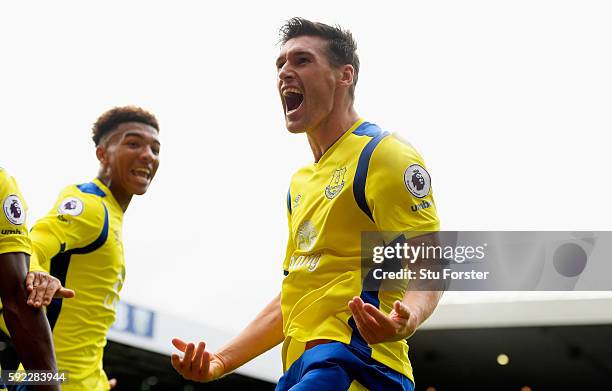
{"points": [[101, 154], [347, 74]]}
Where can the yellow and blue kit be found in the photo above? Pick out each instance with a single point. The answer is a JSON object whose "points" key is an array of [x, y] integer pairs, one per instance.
{"points": [[366, 181], [79, 242], [13, 231]]}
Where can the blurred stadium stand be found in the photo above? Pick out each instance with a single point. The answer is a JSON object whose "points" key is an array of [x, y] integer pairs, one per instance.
{"points": [[556, 343], [520, 344], [140, 369], [139, 348]]}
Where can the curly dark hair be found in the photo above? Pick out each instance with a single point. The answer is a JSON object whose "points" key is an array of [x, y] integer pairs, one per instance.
{"points": [[112, 118], [342, 48]]}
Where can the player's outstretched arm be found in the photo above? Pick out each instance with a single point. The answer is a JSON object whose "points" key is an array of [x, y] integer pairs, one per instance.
{"points": [[407, 315], [197, 364], [48, 237], [261, 335], [28, 326]]}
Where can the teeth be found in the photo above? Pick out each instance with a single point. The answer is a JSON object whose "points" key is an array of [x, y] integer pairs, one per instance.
{"points": [[291, 90], [146, 173]]}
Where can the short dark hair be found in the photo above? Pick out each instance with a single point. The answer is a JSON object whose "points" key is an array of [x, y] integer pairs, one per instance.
{"points": [[342, 48], [114, 117]]}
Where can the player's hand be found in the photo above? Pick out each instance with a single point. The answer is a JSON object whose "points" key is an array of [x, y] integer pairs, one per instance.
{"points": [[112, 383], [43, 287], [375, 326], [197, 364]]}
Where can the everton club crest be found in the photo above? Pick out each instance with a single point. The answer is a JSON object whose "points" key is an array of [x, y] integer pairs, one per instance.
{"points": [[336, 184]]}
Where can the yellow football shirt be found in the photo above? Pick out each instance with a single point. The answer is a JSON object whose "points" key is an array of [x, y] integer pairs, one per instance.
{"points": [[79, 241], [366, 181], [13, 231]]}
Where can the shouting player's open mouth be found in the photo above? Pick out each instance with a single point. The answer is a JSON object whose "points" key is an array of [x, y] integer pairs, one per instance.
{"points": [[143, 174], [293, 100]]}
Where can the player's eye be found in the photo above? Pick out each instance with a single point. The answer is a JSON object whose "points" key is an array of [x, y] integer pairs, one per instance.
{"points": [[303, 60]]}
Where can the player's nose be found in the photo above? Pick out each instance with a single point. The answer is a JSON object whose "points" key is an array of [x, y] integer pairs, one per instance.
{"points": [[286, 72], [148, 154]]}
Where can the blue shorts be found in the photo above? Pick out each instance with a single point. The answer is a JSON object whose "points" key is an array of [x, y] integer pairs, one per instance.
{"points": [[335, 366]]}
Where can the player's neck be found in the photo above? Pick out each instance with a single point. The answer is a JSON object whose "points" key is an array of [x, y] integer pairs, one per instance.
{"points": [[122, 197], [324, 135]]}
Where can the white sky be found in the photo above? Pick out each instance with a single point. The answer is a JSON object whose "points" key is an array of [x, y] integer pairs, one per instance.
{"points": [[510, 103]]}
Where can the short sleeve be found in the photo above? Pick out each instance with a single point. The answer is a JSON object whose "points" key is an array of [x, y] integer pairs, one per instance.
{"points": [[75, 221], [399, 191], [13, 230]]}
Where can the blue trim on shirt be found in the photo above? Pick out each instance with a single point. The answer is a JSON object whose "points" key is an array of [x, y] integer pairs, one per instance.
{"points": [[369, 294], [367, 129], [361, 174], [91, 188], [61, 262], [289, 200]]}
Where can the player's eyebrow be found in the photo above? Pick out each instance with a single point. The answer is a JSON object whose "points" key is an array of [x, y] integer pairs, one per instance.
{"points": [[281, 58], [136, 134], [301, 53]]}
